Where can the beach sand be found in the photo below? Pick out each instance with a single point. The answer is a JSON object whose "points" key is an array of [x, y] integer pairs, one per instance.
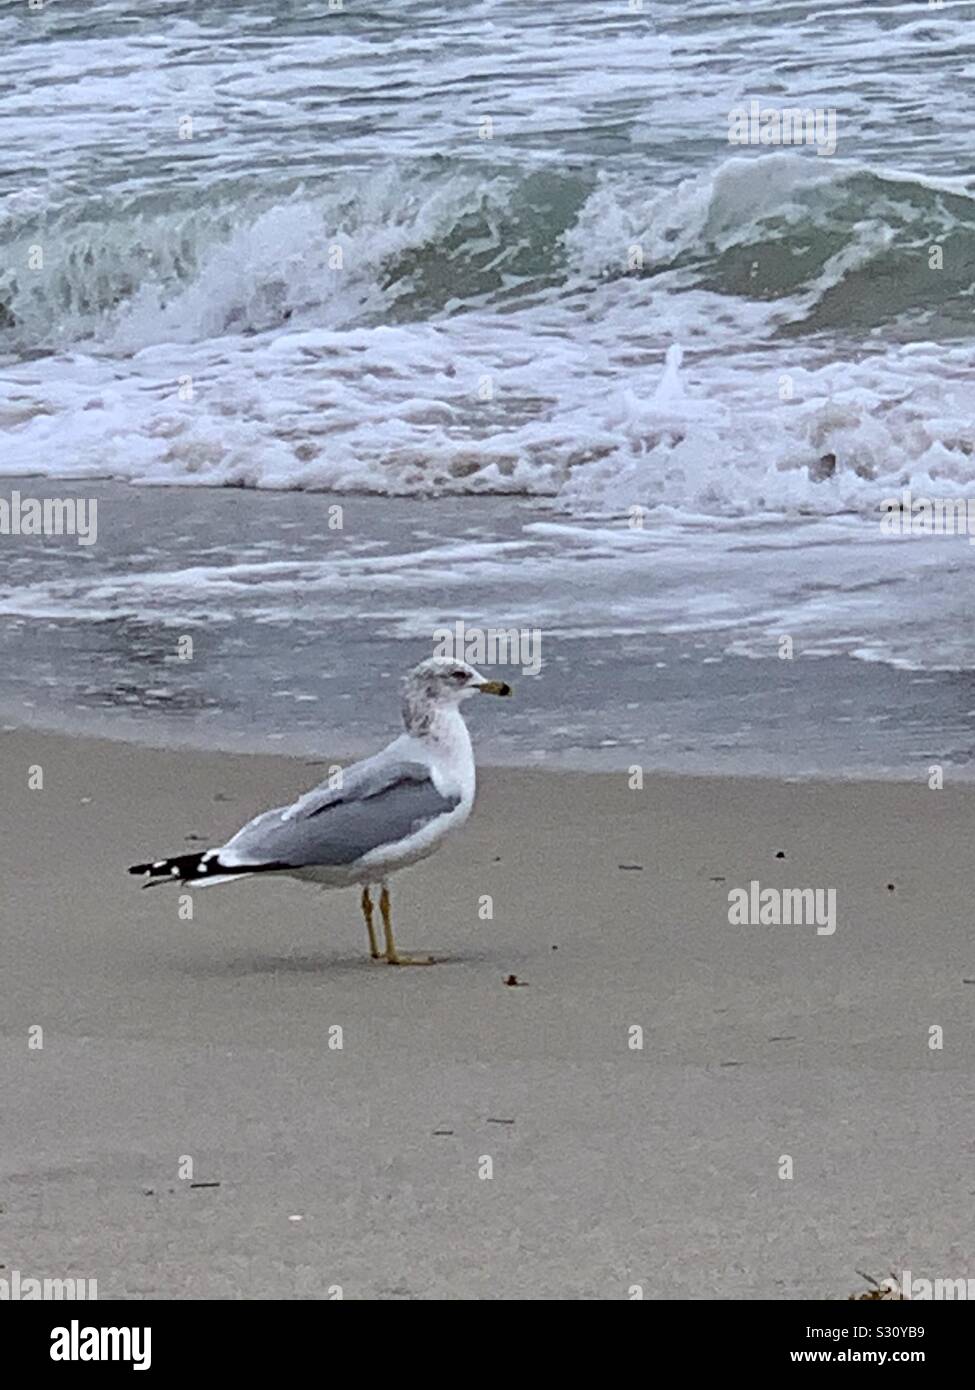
{"points": [[358, 1167]]}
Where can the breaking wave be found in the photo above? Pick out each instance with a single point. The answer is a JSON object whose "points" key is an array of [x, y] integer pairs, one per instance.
{"points": [[759, 338]]}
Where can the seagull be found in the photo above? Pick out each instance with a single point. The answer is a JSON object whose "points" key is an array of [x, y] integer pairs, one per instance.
{"points": [[368, 819]]}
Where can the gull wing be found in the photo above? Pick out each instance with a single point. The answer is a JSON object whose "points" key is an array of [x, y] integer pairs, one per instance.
{"points": [[381, 801]]}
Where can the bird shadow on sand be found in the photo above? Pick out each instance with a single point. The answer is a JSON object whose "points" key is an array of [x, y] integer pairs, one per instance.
{"points": [[239, 967]]}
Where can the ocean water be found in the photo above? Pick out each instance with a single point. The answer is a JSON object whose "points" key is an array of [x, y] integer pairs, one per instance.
{"points": [[495, 263]]}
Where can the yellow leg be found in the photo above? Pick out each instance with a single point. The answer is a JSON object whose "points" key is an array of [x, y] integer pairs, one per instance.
{"points": [[367, 914], [393, 956]]}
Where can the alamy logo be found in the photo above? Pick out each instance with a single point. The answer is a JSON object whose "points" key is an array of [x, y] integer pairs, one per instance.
{"points": [[50, 516], [25, 1288], [924, 1290], [908, 515], [790, 126], [77, 1343], [491, 646], [756, 906]]}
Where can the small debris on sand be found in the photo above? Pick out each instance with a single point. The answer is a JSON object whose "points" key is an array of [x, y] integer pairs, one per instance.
{"points": [[889, 1289]]}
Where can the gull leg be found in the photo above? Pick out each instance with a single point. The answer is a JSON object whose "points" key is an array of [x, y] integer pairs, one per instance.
{"points": [[393, 956], [367, 914]]}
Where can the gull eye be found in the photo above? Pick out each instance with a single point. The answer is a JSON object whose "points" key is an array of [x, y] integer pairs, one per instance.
{"points": [[458, 675]]}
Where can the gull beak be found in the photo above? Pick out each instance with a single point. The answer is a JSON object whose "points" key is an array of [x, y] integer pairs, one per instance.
{"points": [[494, 688]]}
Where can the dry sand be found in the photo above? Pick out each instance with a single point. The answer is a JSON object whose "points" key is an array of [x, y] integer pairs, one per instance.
{"points": [[611, 1166]]}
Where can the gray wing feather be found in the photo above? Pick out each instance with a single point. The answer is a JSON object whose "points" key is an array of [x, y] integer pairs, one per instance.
{"points": [[379, 803]]}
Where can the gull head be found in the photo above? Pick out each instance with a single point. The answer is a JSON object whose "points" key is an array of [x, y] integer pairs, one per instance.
{"points": [[440, 681]]}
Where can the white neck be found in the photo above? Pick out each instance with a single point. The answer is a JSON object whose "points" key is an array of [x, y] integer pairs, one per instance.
{"points": [[440, 723], [442, 727]]}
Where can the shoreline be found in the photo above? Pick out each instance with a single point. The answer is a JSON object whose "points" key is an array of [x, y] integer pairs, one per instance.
{"points": [[209, 1038], [298, 630], [172, 736]]}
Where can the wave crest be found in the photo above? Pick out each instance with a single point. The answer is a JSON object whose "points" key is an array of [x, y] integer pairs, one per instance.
{"points": [[836, 245]]}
